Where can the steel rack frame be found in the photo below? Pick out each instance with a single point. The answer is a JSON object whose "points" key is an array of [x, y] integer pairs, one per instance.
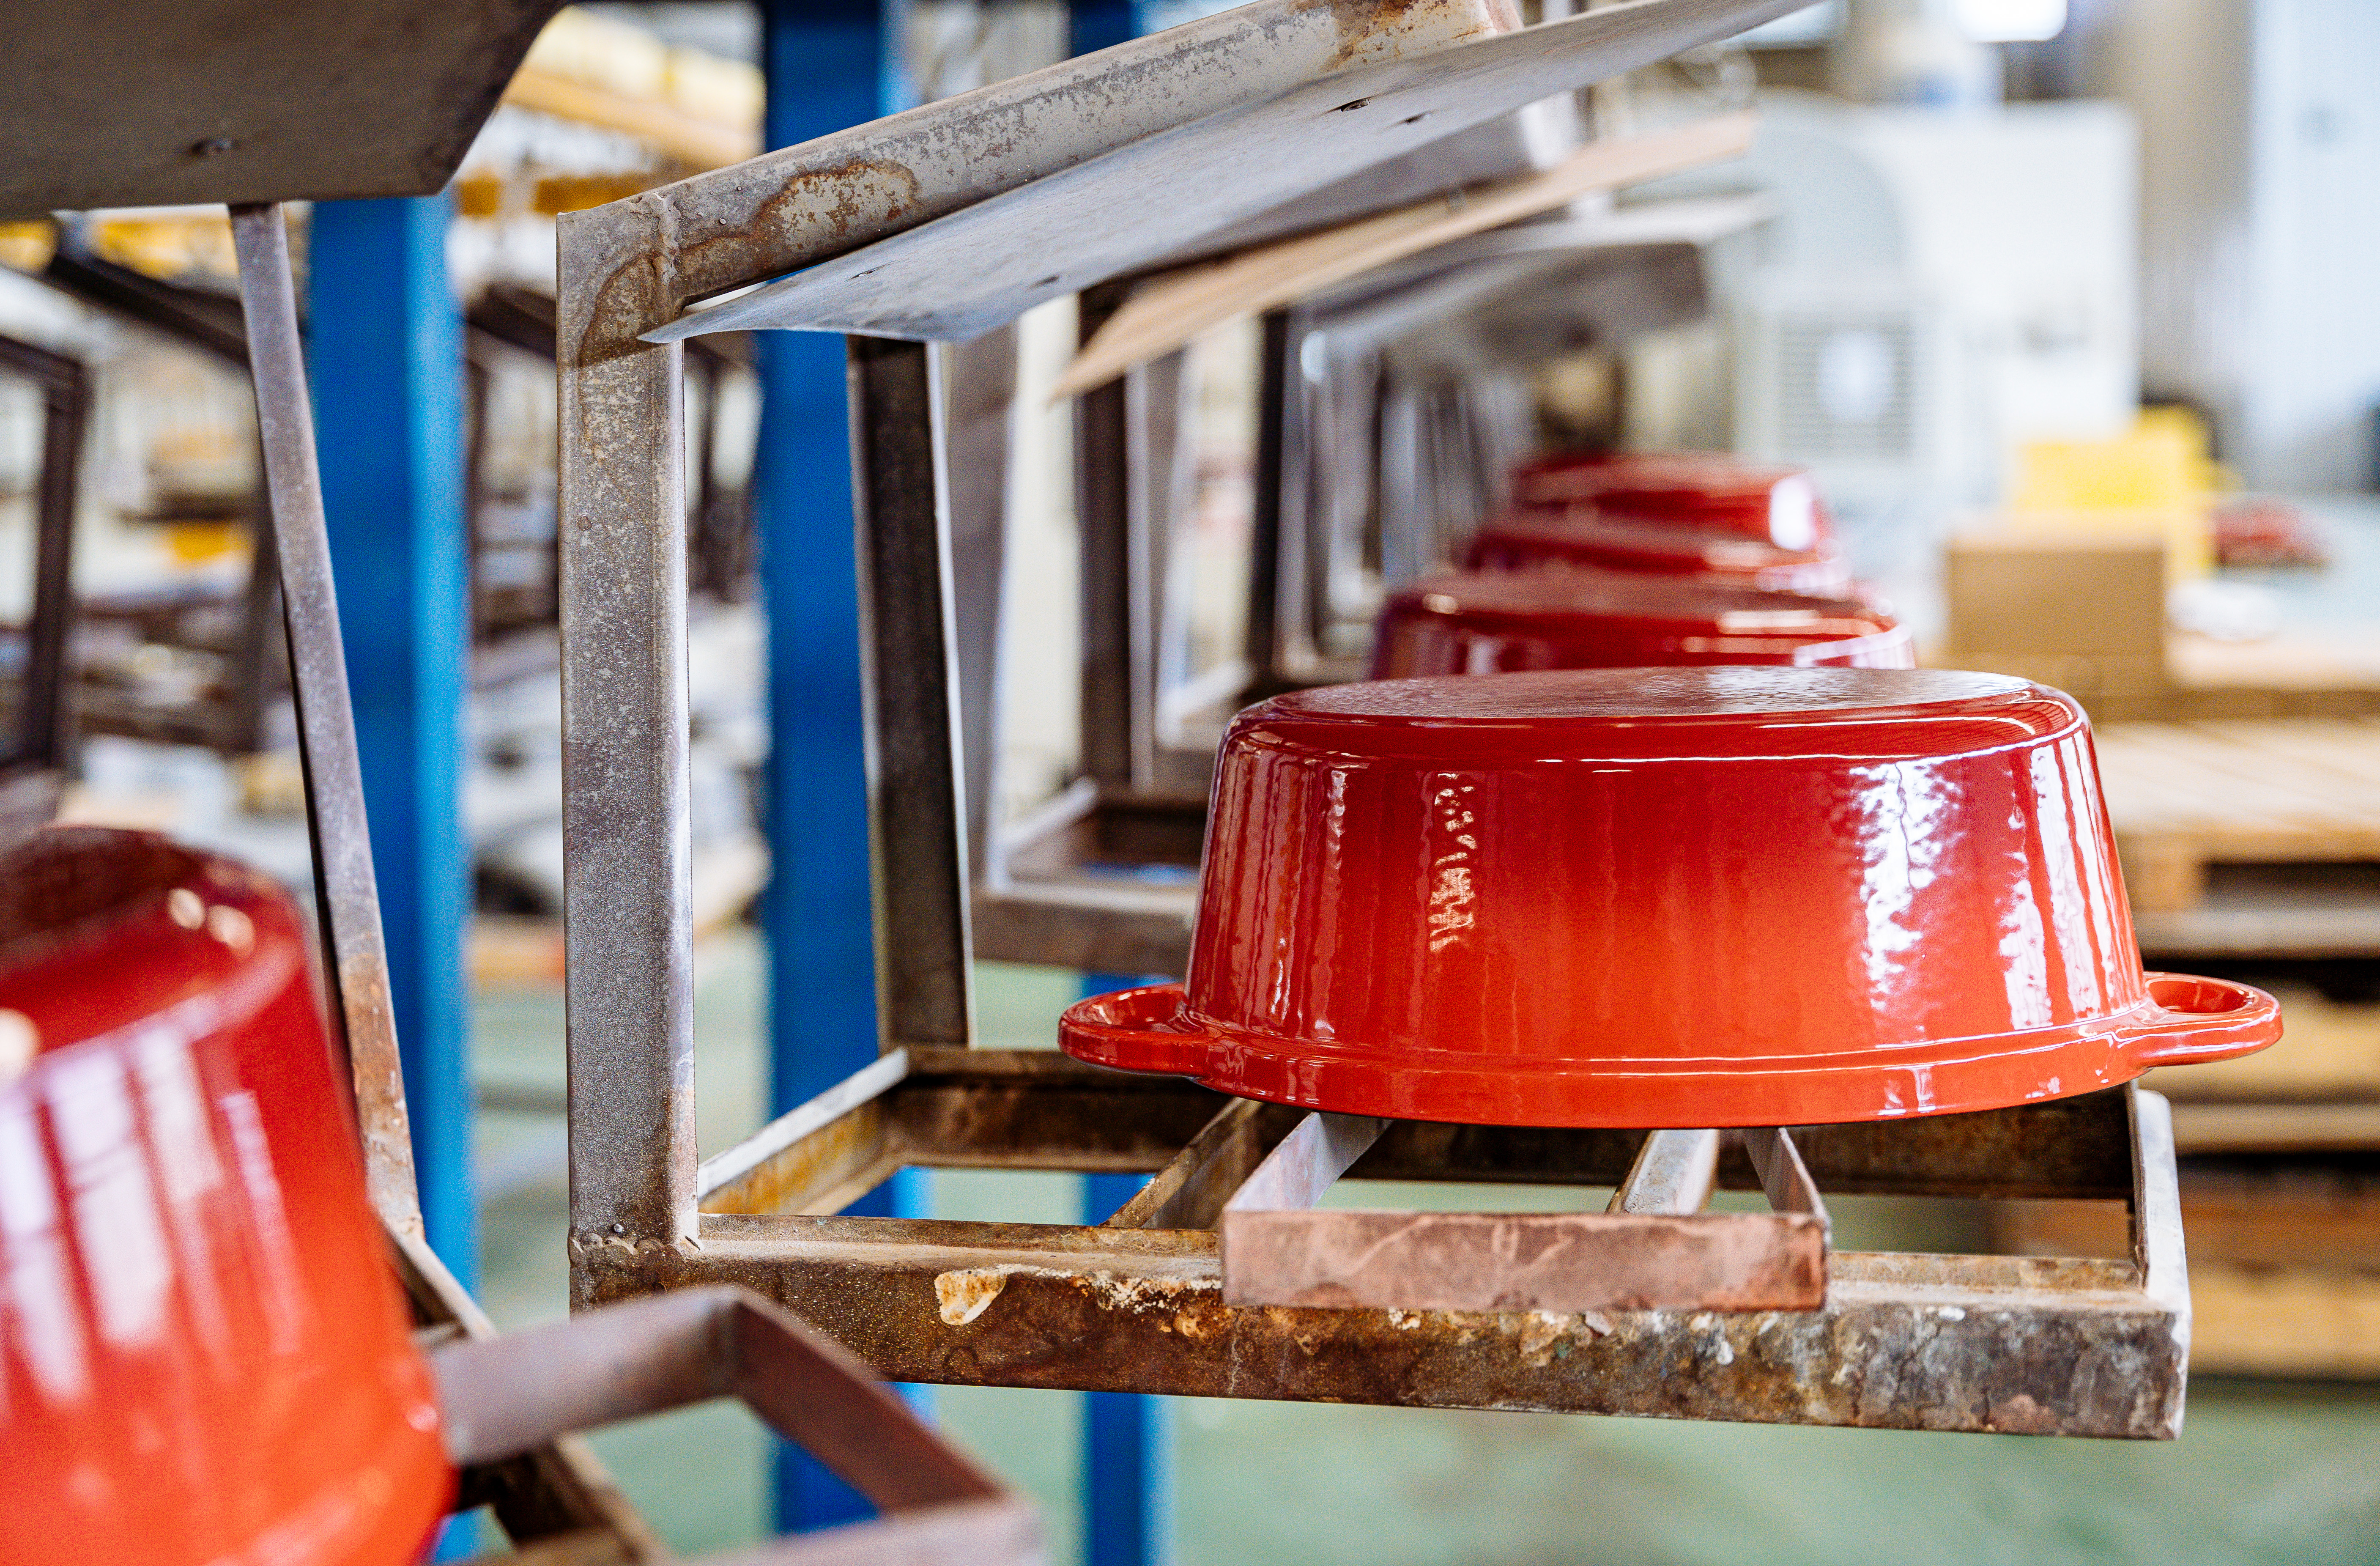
{"points": [[1221, 1278]]}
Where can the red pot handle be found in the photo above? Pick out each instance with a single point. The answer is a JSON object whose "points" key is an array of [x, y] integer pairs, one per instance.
{"points": [[2197, 1020], [1142, 1029]]}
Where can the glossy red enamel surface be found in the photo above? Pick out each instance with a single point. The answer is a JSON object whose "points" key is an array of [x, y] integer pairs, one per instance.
{"points": [[1671, 897], [1768, 503], [1561, 617], [203, 1356], [1583, 536]]}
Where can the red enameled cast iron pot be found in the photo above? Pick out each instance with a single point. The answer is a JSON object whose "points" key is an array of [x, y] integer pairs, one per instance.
{"points": [[1561, 617], [203, 1356], [1582, 536], [1664, 897], [1762, 501]]}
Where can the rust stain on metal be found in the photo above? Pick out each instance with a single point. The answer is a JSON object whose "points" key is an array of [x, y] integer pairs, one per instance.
{"points": [[813, 216], [381, 1114], [1902, 1342], [1562, 1262], [1373, 31], [967, 1294]]}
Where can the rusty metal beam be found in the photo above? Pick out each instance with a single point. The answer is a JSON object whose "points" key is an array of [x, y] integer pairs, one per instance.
{"points": [[916, 788], [505, 1399], [1038, 1108], [1564, 1263], [627, 854], [1914, 1343], [347, 895], [792, 208], [1166, 194]]}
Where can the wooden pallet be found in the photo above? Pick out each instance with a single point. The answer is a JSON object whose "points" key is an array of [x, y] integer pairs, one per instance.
{"points": [[2184, 795], [2284, 1266]]}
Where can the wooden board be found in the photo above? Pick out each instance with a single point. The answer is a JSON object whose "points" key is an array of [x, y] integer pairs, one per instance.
{"points": [[1168, 311], [1167, 195], [2183, 795], [2284, 1274], [146, 102]]}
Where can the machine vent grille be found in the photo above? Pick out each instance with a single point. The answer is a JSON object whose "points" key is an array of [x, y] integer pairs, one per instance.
{"points": [[1847, 387]]}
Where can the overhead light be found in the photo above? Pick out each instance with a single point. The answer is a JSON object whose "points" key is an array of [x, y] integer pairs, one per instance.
{"points": [[2010, 21]]}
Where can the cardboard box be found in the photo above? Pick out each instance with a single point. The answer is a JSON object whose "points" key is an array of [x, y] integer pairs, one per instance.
{"points": [[2034, 597]]}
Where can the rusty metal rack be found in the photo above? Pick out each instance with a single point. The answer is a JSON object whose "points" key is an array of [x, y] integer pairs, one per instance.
{"points": [[1221, 1278], [1145, 1300], [369, 97]]}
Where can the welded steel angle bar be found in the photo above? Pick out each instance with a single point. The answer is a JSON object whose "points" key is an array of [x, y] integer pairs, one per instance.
{"points": [[1654, 1247], [791, 208], [2023, 1344], [962, 274], [348, 897], [2032, 1345]]}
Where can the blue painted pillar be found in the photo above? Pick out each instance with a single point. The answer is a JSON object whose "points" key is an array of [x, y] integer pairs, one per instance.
{"points": [[1127, 1453], [386, 351], [1096, 24], [1127, 1447], [830, 64], [1128, 1467]]}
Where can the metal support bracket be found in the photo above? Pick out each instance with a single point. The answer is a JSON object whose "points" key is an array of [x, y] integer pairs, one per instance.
{"points": [[507, 1397], [1654, 1249]]}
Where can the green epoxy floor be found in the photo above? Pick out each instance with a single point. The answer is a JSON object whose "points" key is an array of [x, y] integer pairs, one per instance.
{"points": [[2262, 1473]]}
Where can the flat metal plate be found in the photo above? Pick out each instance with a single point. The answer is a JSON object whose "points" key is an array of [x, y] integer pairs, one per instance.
{"points": [[156, 103], [978, 268]]}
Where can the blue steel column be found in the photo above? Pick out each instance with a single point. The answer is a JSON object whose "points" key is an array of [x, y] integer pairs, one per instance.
{"points": [[830, 64], [386, 344], [1127, 1454], [1128, 1450]]}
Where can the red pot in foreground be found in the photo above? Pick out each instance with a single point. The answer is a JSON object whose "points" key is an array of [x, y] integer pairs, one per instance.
{"points": [[203, 1357], [1519, 541], [1765, 502], [1501, 621], [1673, 897]]}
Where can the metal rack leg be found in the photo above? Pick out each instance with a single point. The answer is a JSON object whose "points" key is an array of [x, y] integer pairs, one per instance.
{"points": [[346, 895]]}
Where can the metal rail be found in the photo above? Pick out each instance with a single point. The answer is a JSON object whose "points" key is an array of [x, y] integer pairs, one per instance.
{"points": [[346, 895]]}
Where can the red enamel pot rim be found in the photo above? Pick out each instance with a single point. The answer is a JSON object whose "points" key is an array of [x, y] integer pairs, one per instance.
{"points": [[1713, 895], [1690, 717], [1582, 534], [1572, 617], [2185, 1020], [1564, 594], [1668, 482], [1680, 545]]}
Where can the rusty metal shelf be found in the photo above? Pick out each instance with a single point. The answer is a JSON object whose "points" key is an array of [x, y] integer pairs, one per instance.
{"points": [[2082, 1346]]}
